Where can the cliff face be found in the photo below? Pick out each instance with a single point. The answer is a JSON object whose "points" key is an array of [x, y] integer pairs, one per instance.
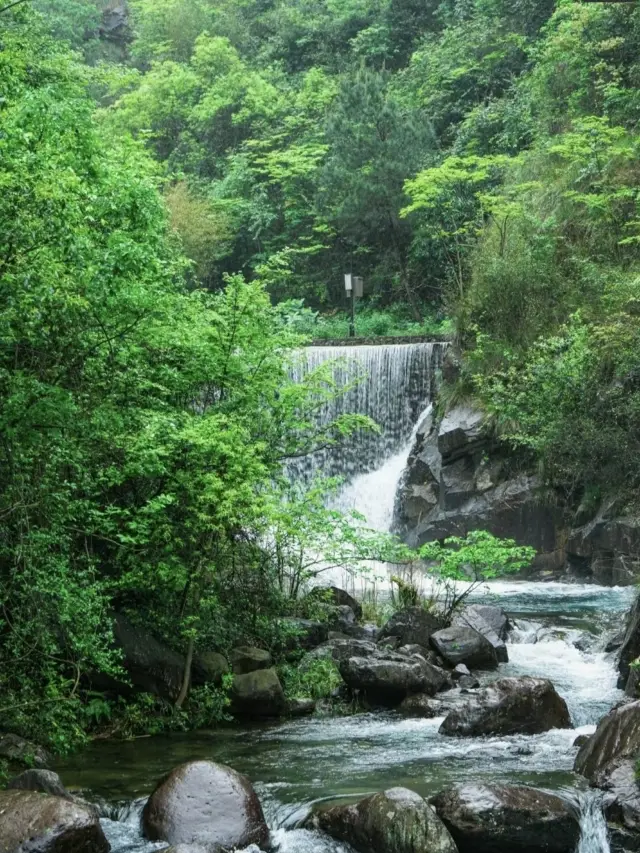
{"points": [[459, 478]]}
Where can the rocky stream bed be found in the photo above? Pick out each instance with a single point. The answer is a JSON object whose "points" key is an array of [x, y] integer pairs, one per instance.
{"points": [[309, 766]]}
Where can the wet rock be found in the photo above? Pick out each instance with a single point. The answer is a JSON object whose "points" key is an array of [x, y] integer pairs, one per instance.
{"points": [[44, 781], [210, 668], [489, 621], [460, 671], [31, 822], [207, 804], [258, 694], [247, 659], [186, 848], [341, 649], [632, 687], [305, 634], [413, 625], [394, 821], [21, 751], [461, 430], [509, 706], [301, 707], [492, 616], [338, 597], [617, 737], [615, 642], [621, 803], [630, 649], [468, 682], [389, 679], [420, 705], [460, 644], [505, 818], [581, 740]]}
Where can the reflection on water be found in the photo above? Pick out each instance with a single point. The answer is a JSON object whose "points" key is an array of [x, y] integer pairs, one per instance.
{"points": [[298, 763]]}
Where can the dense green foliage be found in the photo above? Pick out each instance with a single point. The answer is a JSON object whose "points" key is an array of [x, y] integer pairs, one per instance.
{"points": [[179, 203]]}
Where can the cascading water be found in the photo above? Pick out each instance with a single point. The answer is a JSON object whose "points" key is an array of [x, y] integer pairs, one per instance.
{"points": [[390, 384], [559, 633]]}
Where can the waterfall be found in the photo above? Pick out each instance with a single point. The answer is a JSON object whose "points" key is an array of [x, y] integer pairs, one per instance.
{"points": [[396, 383], [594, 837]]}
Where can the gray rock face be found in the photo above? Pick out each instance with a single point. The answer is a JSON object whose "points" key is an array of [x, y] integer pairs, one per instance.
{"points": [[258, 694], [17, 749], [621, 803], [509, 706], [391, 678], [205, 804], [617, 737], [460, 644], [247, 659], [44, 781], [506, 818], [413, 625], [459, 479], [420, 705], [460, 431], [630, 649], [394, 821], [607, 547], [32, 822]]}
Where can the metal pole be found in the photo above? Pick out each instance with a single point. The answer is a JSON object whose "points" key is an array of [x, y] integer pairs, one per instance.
{"points": [[352, 324]]}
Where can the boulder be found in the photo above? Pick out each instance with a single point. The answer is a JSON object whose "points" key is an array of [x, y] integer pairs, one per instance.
{"points": [[489, 621], [616, 737], [581, 740], [44, 781], [460, 644], [505, 818], [621, 802], [247, 659], [412, 625], [460, 671], [150, 664], [389, 679], [461, 430], [16, 749], [419, 705], [304, 634], [206, 804], [394, 821], [338, 597], [469, 682], [523, 705], [258, 694], [31, 822], [630, 649], [341, 649], [115, 22], [209, 668], [301, 707]]}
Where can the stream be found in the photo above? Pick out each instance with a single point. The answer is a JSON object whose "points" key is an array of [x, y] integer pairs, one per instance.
{"points": [[560, 633], [296, 764]]}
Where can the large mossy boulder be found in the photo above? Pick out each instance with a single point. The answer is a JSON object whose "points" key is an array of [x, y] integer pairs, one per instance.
{"points": [[210, 668], [258, 694], [389, 679], [32, 822], [247, 659], [206, 804], [394, 821], [507, 818], [508, 706], [414, 625], [617, 737], [462, 644], [17, 750]]}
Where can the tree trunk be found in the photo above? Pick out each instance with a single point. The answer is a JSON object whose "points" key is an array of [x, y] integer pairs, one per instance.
{"points": [[186, 678]]}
